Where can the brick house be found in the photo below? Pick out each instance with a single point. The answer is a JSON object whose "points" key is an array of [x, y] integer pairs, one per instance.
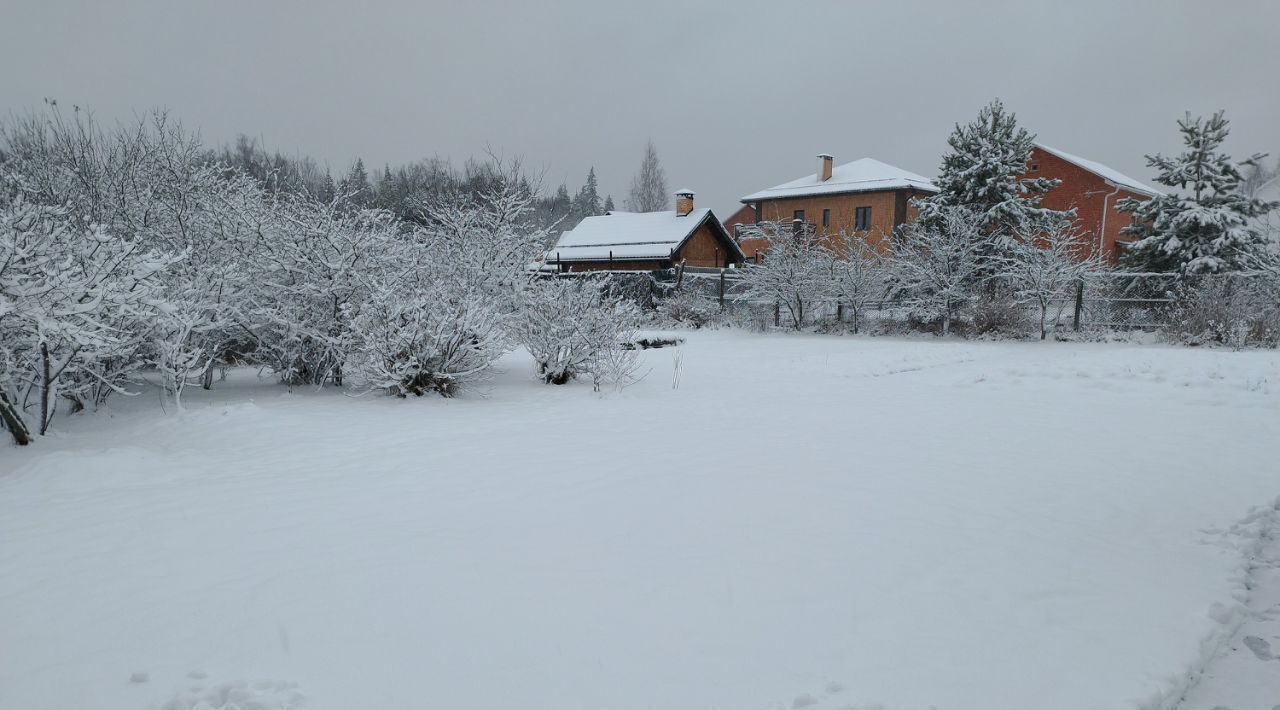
{"points": [[745, 216], [645, 241], [1093, 190], [865, 196]]}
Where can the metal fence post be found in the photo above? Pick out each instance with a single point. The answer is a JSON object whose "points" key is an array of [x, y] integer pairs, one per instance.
{"points": [[1075, 320]]}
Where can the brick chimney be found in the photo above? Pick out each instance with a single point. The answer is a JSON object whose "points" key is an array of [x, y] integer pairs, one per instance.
{"points": [[684, 202], [824, 167]]}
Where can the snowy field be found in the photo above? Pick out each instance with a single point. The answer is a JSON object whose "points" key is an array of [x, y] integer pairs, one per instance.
{"points": [[805, 522]]}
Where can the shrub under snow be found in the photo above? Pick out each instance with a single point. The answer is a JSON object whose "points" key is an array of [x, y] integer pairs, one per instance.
{"points": [[575, 326]]}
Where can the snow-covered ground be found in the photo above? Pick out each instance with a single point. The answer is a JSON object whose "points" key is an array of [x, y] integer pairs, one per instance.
{"points": [[806, 521]]}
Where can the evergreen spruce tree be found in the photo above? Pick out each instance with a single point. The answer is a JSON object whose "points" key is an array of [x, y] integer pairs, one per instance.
{"points": [[355, 187], [608, 205], [981, 174], [1212, 225], [562, 202], [329, 189], [587, 202]]}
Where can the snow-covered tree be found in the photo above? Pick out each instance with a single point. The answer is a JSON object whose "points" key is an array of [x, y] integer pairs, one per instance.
{"points": [[355, 189], [74, 305], [935, 265], [981, 174], [797, 269], [1211, 224], [649, 191], [1046, 268], [859, 275], [414, 336], [444, 300], [567, 323], [608, 205]]}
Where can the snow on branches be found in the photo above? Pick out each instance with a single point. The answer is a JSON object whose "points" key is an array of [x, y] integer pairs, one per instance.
{"points": [[1213, 225], [797, 273], [936, 264], [574, 326], [981, 173], [74, 305]]}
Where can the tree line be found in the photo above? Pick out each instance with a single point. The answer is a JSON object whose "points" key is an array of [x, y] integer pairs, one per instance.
{"points": [[137, 253]]}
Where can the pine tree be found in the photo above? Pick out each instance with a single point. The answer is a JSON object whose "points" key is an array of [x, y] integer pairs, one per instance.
{"points": [[355, 186], [649, 191], [387, 198], [981, 173], [328, 190], [587, 202], [608, 205], [1210, 227]]}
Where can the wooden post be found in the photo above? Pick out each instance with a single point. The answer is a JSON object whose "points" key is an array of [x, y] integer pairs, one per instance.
{"points": [[1075, 320], [777, 313], [722, 288], [611, 260]]}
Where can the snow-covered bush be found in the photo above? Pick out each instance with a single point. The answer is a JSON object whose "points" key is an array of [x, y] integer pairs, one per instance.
{"points": [[1237, 310], [444, 300], [1045, 269], [859, 276], [796, 274], [935, 265], [995, 313], [689, 308], [417, 338], [75, 306], [573, 326], [310, 280]]}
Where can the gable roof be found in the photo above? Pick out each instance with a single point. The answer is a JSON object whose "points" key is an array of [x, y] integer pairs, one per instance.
{"points": [[625, 236], [863, 175], [1115, 177]]}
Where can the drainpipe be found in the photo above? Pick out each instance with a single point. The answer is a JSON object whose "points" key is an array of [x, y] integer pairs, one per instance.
{"points": [[1102, 230]]}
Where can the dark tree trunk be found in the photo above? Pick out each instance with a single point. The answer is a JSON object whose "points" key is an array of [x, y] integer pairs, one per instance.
{"points": [[46, 383], [10, 420]]}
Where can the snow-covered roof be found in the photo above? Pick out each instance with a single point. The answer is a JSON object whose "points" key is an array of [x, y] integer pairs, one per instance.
{"points": [[1112, 176], [627, 235], [863, 175]]}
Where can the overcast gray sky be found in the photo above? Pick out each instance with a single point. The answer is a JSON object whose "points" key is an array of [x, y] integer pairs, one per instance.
{"points": [[737, 95]]}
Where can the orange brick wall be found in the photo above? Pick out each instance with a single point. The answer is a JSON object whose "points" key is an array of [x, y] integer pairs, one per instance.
{"points": [[884, 212], [1091, 197]]}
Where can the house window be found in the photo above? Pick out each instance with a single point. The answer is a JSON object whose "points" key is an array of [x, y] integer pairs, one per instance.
{"points": [[799, 214], [826, 218], [862, 219], [1035, 167]]}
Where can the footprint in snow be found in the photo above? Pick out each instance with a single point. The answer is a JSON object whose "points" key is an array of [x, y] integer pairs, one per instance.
{"points": [[1260, 647], [139, 677], [803, 700]]}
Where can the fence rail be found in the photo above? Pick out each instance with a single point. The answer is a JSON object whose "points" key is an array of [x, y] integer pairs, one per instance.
{"points": [[1103, 301]]}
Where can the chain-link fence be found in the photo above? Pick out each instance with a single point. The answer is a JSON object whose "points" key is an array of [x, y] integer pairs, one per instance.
{"points": [[1103, 301]]}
